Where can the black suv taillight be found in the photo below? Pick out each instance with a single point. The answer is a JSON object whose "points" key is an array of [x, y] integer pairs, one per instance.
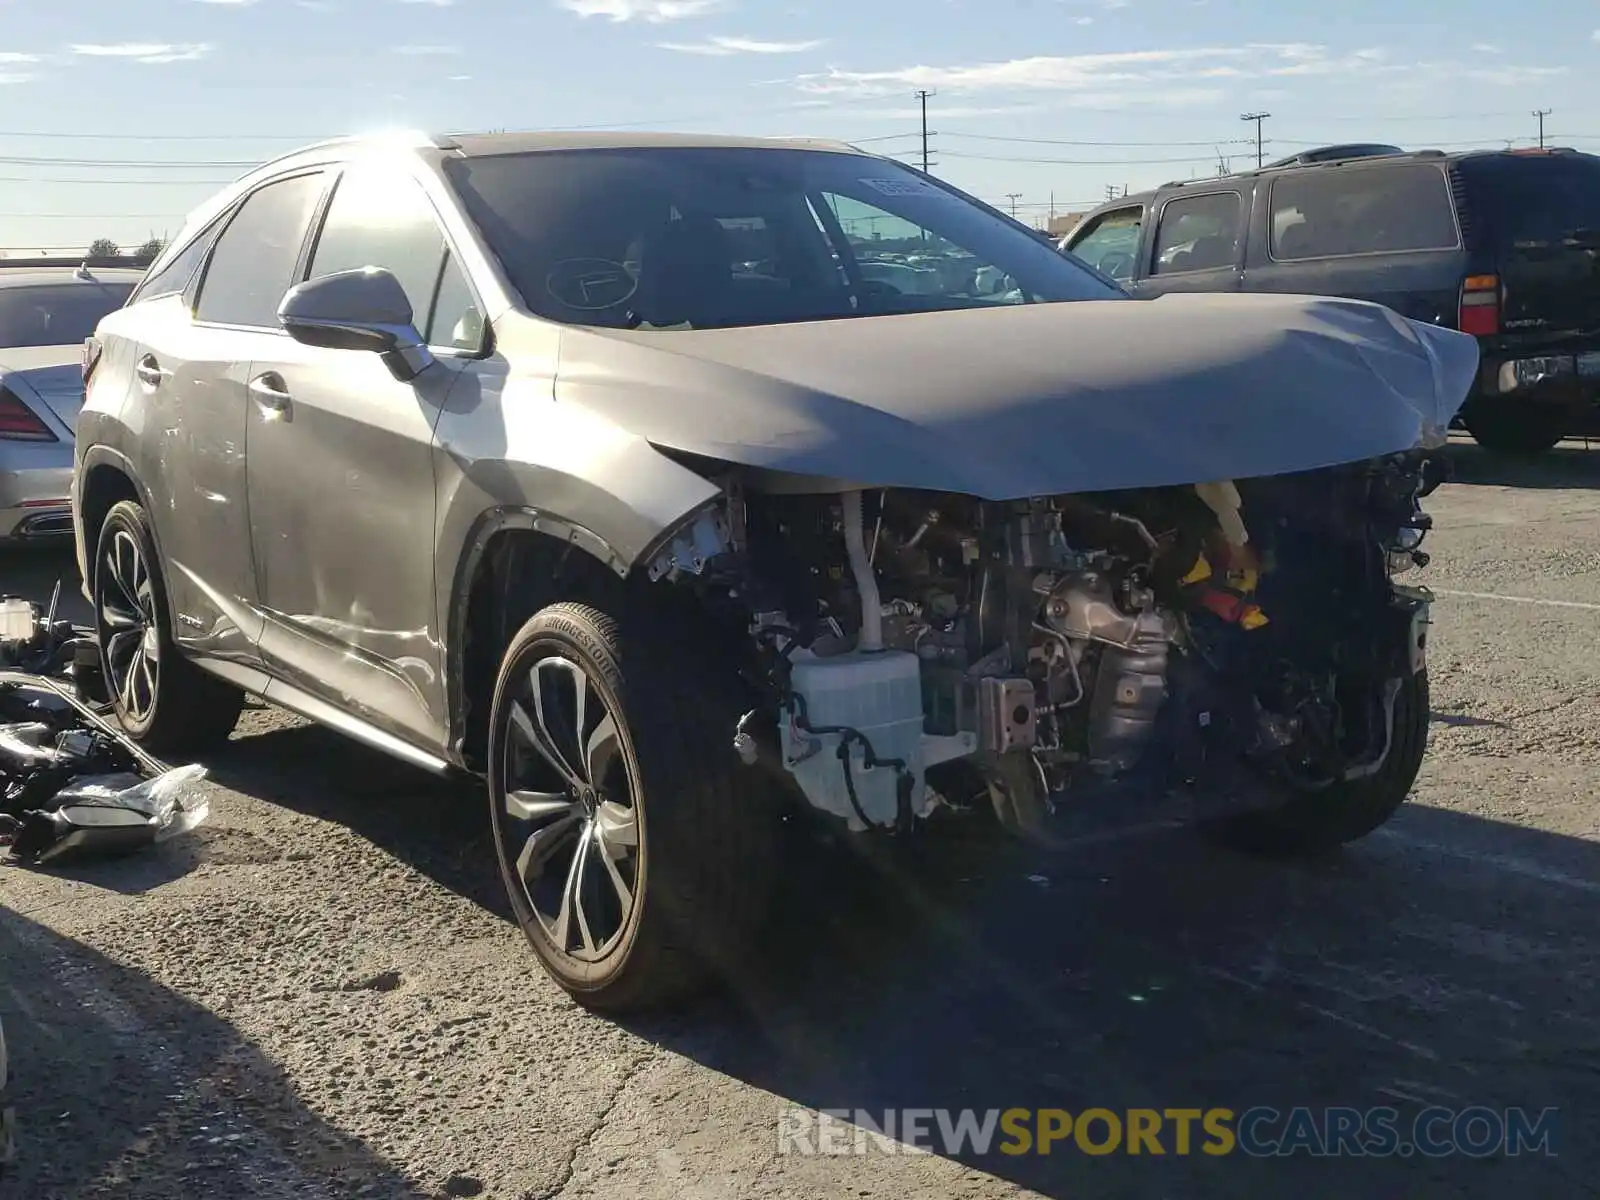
{"points": [[19, 423], [1479, 313]]}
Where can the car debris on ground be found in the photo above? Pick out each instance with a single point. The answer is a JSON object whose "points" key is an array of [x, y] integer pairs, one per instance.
{"points": [[72, 784]]}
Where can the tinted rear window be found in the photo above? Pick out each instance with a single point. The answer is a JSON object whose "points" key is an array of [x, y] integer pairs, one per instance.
{"points": [[1362, 210], [56, 314], [1531, 202]]}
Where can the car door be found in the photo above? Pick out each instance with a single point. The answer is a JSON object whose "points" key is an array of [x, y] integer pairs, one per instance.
{"points": [[1110, 242], [190, 372], [1198, 244], [341, 479], [1384, 232]]}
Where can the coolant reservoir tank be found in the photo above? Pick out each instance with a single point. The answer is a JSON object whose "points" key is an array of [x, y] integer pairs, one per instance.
{"points": [[880, 695]]}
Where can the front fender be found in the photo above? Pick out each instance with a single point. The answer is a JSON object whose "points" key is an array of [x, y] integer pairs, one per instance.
{"points": [[512, 458]]}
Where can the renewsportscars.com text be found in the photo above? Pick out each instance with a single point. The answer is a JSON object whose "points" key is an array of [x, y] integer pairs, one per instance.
{"points": [[1259, 1132]]}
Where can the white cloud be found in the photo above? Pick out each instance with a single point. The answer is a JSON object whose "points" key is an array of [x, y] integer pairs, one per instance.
{"points": [[231, 3], [435, 3], [721, 47], [16, 77], [144, 52], [1485, 48], [653, 12], [1136, 75], [1084, 21], [13, 56], [427, 50]]}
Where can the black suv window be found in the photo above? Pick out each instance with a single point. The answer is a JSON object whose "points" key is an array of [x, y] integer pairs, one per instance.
{"points": [[1390, 209], [1197, 233], [381, 218], [254, 262], [1111, 244], [1537, 202]]}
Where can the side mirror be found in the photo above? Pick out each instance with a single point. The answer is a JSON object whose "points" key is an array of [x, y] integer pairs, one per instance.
{"points": [[365, 309]]}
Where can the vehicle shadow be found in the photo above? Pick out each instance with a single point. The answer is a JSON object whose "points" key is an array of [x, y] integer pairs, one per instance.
{"points": [[125, 1090], [1569, 465], [1448, 960]]}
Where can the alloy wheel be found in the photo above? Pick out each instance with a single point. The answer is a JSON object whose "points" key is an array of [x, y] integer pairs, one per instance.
{"points": [[130, 637], [570, 810]]}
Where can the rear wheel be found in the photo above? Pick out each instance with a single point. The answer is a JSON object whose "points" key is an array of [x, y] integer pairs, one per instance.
{"points": [[162, 700], [1501, 429], [1315, 822], [635, 850]]}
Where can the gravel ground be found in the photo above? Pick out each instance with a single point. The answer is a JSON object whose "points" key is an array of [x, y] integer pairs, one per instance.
{"points": [[320, 993]]}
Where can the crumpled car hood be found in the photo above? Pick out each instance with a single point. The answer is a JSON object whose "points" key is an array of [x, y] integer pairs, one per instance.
{"points": [[1038, 399]]}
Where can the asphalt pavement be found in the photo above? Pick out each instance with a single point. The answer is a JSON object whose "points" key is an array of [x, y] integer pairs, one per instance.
{"points": [[320, 994]]}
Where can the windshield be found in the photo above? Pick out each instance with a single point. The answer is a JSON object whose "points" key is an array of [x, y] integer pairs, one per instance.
{"points": [[55, 314], [697, 238], [1538, 203]]}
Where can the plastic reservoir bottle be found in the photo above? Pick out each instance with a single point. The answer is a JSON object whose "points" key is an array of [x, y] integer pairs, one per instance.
{"points": [[879, 694]]}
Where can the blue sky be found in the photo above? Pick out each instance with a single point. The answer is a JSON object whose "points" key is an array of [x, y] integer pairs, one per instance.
{"points": [[118, 116]]}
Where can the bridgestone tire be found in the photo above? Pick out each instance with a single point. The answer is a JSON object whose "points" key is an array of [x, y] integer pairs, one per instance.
{"points": [[706, 825], [1313, 823]]}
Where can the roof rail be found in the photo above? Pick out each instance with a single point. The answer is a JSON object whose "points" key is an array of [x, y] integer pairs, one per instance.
{"points": [[409, 137]]}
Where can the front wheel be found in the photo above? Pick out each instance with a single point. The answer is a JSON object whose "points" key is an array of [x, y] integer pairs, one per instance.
{"points": [[1316, 822], [634, 847]]}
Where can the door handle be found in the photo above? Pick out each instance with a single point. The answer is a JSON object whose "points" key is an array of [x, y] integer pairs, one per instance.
{"points": [[271, 396], [150, 372]]}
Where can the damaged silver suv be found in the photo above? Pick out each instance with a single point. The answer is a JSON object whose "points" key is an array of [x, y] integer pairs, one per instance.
{"points": [[669, 482]]}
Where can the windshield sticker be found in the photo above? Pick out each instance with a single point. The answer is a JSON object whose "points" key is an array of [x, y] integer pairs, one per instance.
{"points": [[904, 187]]}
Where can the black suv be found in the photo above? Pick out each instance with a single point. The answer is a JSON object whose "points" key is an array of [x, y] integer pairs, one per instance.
{"points": [[1499, 244]]}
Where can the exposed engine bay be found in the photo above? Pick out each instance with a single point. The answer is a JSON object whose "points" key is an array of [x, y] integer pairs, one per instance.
{"points": [[1243, 636]]}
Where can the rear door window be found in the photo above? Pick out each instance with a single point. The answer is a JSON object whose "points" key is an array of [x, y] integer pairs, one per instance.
{"points": [[1391, 209], [174, 278], [1197, 233], [255, 259], [1111, 244]]}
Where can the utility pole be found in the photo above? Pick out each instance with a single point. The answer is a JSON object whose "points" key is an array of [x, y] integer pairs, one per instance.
{"points": [[1541, 113], [922, 99], [1257, 117], [1052, 208], [1013, 197]]}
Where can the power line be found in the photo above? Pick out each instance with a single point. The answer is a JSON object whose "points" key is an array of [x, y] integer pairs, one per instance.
{"points": [[185, 165], [1079, 162], [107, 180], [61, 216], [989, 137], [50, 135]]}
